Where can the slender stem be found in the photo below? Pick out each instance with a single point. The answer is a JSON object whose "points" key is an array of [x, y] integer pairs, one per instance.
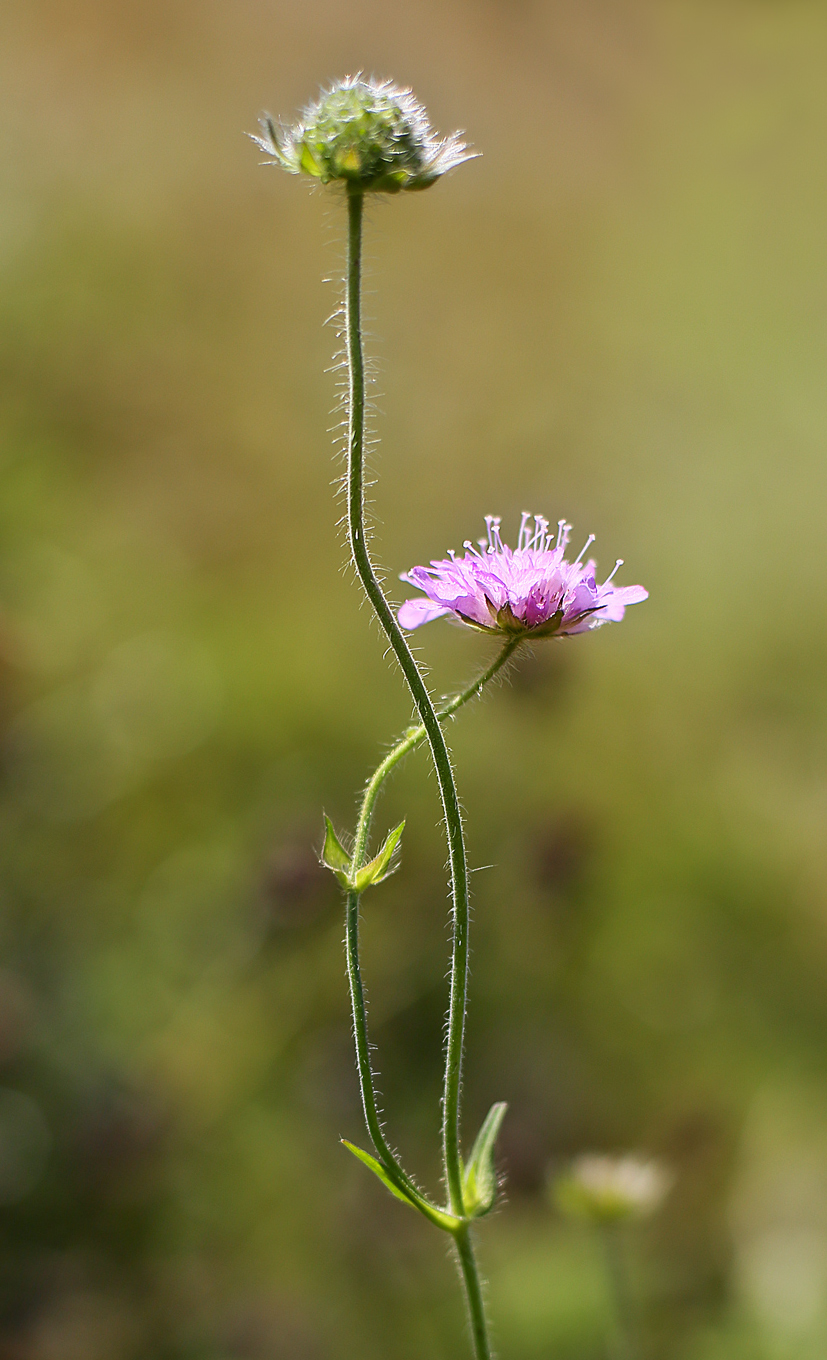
{"points": [[409, 742], [388, 1158], [436, 740], [424, 705], [473, 1293], [625, 1342]]}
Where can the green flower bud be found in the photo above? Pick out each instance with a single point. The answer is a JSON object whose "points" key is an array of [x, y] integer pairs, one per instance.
{"points": [[367, 133]]}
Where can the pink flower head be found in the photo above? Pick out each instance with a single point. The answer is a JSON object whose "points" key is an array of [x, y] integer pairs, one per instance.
{"points": [[531, 590]]}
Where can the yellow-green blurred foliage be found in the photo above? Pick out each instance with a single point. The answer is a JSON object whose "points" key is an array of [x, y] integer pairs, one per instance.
{"points": [[618, 314]]}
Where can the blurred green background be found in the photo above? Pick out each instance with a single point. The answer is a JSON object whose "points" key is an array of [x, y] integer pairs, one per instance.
{"points": [[618, 314]]}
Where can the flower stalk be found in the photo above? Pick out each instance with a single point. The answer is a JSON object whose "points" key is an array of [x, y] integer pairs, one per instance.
{"points": [[411, 740], [452, 1160], [369, 136], [415, 736], [625, 1344]]}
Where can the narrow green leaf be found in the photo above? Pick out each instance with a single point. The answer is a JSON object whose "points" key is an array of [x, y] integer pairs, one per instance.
{"points": [[479, 1186], [378, 1170], [334, 856], [444, 1220], [379, 867]]}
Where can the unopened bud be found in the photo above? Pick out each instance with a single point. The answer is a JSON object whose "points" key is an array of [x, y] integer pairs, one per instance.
{"points": [[367, 133]]}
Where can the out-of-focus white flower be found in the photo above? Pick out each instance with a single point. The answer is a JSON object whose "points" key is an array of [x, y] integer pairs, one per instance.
{"points": [[606, 1189]]}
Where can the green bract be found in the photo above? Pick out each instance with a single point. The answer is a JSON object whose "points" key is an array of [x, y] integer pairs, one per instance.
{"points": [[367, 133], [479, 1182], [336, 858], [410, 1195]]}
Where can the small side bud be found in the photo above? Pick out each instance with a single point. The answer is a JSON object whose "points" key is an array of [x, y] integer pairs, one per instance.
{"points": [[479, 1182], [604, 1189], [370, 134]]}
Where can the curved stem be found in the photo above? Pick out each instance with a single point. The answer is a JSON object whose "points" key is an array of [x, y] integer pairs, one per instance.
{"points": [[430, 721], [413, 738], [422, 700], [409, 742], [388, 1158]]}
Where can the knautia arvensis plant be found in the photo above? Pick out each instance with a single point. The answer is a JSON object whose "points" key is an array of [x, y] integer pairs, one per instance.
{"points": [[369, 136]]}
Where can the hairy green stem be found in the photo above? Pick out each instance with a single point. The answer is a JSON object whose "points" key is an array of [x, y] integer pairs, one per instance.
{"points": [[421, 698], [436, 740], [473, 1293], [409, 742], [388, 1158], [413, 738]]}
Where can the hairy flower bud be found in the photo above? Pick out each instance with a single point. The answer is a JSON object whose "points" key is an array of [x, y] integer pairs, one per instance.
{"points": [[365, 133]]}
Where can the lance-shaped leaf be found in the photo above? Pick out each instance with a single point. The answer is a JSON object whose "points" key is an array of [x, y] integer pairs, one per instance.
{"points": [[378, 1170], [448, 1222], [479, 1185], [334, 856], [379, 867]]}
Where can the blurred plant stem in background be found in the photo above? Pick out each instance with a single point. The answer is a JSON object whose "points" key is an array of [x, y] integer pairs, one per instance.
{"points": [[611, 1194], [625, 1342]]}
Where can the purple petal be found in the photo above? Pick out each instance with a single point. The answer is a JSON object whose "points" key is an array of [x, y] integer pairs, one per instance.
{"points": [[632, 594], [536, 607], [584, 597], [503, 589], [415, 612], [582, 626], [615, 606]]}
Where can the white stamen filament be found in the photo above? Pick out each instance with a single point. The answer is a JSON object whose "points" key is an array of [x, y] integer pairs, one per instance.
{"points": [[492, 524], [588, 543], [618, 563]]}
